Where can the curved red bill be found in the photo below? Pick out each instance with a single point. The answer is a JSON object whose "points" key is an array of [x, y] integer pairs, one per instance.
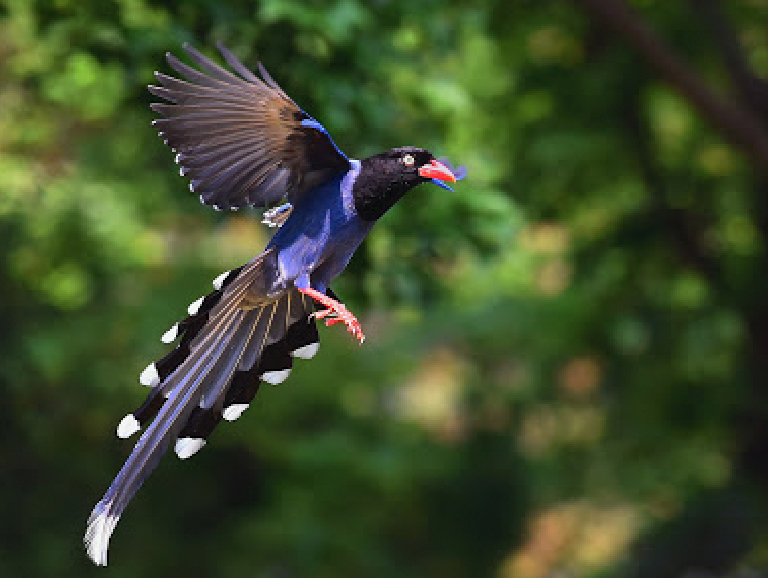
{"points": [[437, 170]]}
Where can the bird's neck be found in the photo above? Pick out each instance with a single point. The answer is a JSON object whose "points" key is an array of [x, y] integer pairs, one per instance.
{"points": [[375, 191]]}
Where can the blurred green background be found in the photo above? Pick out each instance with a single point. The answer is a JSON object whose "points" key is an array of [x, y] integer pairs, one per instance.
{"points": [[566, 368]]}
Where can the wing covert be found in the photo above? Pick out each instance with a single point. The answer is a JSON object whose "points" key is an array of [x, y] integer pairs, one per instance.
{"points": [[240, 139]]}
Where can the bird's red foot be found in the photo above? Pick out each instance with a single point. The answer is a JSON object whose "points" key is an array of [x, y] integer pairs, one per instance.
{"points": [[335, 313], [339, 315]]}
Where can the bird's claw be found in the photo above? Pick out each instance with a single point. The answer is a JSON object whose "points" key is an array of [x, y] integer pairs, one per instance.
{"points": [[335, 312], [339, 314]]}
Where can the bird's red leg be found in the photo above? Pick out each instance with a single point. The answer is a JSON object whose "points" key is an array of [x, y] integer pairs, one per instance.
{"points": [[335, 313]]}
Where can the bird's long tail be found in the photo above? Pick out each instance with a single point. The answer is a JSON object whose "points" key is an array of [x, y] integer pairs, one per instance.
{"points": [[233, 338]]}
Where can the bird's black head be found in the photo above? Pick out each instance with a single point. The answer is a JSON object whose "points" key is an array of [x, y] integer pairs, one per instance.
{"points": [[386, 177]]}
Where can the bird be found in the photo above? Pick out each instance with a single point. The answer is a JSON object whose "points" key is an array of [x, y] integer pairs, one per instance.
{"points": [[243, 142]]}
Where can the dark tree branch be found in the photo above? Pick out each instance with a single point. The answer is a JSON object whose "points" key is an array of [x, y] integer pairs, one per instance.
{"points": [[740, 126], [683, 230], [752, 89]]}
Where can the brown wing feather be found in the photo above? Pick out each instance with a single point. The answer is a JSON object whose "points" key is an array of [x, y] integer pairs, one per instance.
{"points": [[240, 139]]}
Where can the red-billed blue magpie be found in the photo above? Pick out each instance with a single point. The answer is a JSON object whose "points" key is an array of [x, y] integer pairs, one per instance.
{"points": [[242, 141]]}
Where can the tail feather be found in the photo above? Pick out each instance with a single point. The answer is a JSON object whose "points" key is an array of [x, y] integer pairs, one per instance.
{"points": [[205, 416], [226, 346], [261, 329], [245, 386], [188, 328], [216, 375], [279, 321], [201, 423], [149, 449], [275, 360]]}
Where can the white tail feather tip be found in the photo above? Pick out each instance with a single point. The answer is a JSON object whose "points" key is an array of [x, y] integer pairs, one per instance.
{"points": [[170, 335], [307, 351], [97, 536], [187, 447], [128, 426], [194, 307], [275, 377], [149, 376], [234, 411], [219, 281]]}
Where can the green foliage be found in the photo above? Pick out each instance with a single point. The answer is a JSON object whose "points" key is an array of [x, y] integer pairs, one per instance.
{"points": [[563, 370]]}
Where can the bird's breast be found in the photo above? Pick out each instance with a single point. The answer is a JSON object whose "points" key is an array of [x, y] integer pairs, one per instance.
{"points": [[322, 232]]}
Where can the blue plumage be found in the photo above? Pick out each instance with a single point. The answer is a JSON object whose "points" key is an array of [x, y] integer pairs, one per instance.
{"points": [[321, 235]]}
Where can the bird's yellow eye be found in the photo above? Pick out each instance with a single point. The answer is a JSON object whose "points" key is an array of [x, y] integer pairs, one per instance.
{"points": [[408, 160]]}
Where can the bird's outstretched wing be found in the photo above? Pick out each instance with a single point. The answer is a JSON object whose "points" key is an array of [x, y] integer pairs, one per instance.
{"points": [[239, 138]]}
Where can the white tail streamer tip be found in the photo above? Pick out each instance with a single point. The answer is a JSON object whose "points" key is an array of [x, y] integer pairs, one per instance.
{"points": [[97, 536], [171, 335], [219, 281], [307, 351], [187, 447], [234, 411], [194, 307], [128, 426], [149, 376], [275, 377]]}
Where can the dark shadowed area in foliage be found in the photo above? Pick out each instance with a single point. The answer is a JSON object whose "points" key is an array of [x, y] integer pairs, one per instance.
{"points": [[565, 370]]}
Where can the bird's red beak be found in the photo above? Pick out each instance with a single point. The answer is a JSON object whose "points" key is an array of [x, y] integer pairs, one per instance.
{"points": [[437, 170]]}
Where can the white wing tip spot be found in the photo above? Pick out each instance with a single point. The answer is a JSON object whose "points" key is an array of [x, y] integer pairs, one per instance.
{"points": [[219, 281], [128, 426], [276, 216], [149, 376], [194, 307], [170, 335], [306, 351], [234, 411], [187, 447]]}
